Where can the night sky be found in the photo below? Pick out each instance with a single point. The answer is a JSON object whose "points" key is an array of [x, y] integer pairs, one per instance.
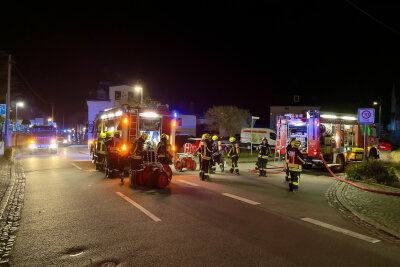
{"points": [[196, 54]]}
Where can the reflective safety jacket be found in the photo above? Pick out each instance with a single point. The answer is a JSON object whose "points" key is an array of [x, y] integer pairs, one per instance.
{"points": [[136, 148], [205, 150], [163, 150], [264, 151], [216, 148], [295, 160], [113, 145], [100, 146], [234, 150]]}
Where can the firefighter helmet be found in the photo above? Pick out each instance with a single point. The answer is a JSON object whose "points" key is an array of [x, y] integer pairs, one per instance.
{"points": [[215, 138], [164, 136], [206, 136], [295, 144], [232, 139], [103, 135], [109, 134], [264, 138], [144, 136]]}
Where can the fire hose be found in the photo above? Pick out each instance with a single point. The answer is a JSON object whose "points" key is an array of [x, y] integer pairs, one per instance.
{"points": [[356, 185]]}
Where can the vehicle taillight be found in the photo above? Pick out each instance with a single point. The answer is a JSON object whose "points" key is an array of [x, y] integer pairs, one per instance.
{"points": [[32, 142], [315, 152], [173, 148], [125, 120], [123, 147]]}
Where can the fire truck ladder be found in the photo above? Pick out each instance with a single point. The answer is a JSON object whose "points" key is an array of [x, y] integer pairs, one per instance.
{"points": [[278, 145], [134, 126]]}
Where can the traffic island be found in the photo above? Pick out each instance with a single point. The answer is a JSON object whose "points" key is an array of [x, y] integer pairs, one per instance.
{"points": [[378, 210]]}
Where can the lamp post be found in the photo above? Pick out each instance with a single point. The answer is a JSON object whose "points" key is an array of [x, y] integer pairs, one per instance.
{"points": [[380, 115], [18, 104], [139, 88], [253, 120]]}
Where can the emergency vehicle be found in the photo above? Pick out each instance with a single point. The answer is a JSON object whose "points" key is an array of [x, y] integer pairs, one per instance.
{"points": [[337, 137], [131, 122], [43, 138]]}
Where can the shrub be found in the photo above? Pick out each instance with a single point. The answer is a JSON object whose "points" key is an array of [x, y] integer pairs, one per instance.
{"points": [[371, 170]]}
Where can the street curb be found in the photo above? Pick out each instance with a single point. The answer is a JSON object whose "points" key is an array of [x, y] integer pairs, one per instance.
{"points": [[339, 191], [7, 194]]}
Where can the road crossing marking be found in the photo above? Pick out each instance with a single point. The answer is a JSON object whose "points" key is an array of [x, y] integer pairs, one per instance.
{"points": [[76, 166], [241, 199], [341, 230], [186, 182], [148, 213]]}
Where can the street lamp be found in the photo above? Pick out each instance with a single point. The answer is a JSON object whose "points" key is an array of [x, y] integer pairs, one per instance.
{"points": [[18, 104], [380, 115], [139, 88], [49, 120]]}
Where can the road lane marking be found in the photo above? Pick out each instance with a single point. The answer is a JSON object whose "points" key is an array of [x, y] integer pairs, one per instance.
{"points": [[186, 182], [148, 213], [77, 254], [76, 166], [341, 230], [241, 199]]}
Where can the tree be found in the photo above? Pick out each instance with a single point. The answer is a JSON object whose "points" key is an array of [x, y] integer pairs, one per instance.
{"points": [[227, 120]]}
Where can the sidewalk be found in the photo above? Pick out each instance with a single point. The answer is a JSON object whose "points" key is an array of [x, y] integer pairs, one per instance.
{"points": [[382, 211]]}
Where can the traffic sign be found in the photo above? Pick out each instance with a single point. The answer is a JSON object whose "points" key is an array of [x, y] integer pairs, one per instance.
{"points": [[2, 109], [366, 115]]}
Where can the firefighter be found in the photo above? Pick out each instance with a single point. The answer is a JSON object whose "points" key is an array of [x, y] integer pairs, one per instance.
{"points": [[113, 143], [200, 150], [136, 150], [234, 153], [163, 150], [100, 151], [206, 154], [264, 151], [217, 153], [295, 164], [288, 148]]}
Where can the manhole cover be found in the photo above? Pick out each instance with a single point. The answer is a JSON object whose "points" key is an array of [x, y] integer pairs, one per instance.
{"points": [[109, 264]]}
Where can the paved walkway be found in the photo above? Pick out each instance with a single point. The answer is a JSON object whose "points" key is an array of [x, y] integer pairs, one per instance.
{"points": [[382, 211]]}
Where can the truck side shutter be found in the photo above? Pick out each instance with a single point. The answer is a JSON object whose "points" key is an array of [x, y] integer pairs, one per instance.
{"points": [[313, 133]]}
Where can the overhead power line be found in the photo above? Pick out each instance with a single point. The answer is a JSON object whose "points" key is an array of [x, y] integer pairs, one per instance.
{"points": [[372, 17]]}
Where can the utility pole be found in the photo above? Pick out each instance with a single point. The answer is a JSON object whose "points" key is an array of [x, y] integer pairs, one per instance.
{"points": [[52, 112], [7, 121]]}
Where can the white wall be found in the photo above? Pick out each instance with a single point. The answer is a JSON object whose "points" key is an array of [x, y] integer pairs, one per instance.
{"points": [[188, 125], [124, 89]]}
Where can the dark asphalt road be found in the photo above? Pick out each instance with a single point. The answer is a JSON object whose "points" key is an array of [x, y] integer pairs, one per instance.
{"points": [[70, 208]]}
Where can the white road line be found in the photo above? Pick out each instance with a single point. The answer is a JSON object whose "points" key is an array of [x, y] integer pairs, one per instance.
{"points": [[76, 166], [148, 213], [241, 199], [186, 182], [341, 230]]}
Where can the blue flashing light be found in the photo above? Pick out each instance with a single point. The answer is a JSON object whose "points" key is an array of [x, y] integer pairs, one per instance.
{"points": [[175, 115]]}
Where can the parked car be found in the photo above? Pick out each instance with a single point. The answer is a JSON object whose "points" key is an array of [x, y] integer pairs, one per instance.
{"points": [[384, 144]]}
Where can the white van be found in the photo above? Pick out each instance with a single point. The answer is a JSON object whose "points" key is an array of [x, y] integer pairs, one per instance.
{"points": [[256, 135]]}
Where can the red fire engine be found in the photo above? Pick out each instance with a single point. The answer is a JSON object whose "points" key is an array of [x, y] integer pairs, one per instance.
{"points": [[132, 122], [336, 136]]}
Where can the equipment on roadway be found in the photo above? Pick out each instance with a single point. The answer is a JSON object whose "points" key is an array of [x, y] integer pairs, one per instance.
{"points": [[338, 137], [186, 159]]}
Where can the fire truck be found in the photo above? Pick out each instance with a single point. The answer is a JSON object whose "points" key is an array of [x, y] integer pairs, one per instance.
{"points": [[131, 122], [337, 137]]}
